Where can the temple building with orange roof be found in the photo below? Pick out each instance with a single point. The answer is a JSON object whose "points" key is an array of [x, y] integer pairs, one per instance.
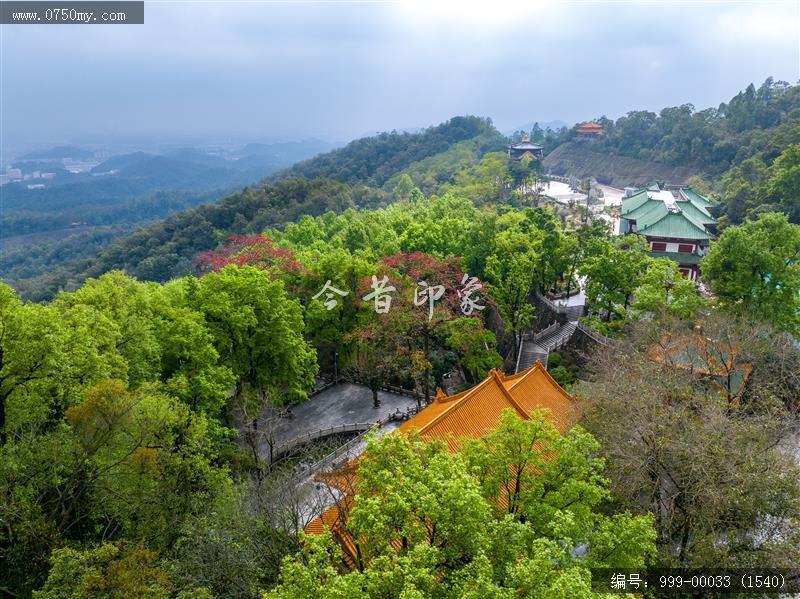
{"points": [[470, 414], [589, 130], [712, 361]]}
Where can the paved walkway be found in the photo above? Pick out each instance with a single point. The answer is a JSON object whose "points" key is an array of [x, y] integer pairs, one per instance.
{"points": [[578, 297], [312, 497], [345, 403]]}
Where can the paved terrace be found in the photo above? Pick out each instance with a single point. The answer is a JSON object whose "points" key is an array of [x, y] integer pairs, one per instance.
{"points": [[344, 403]]}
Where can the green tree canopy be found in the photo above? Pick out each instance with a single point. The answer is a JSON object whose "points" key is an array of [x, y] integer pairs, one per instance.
{"points": [[257, 331], [754, 269], [428, 522], [663, 291]]}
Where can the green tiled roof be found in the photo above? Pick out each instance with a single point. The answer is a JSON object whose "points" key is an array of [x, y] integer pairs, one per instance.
{"points": [[635, 201], [643, 209], [698, 213], [697, 199], [649, 214], [659, 215], [675, 224], [687, 259]]}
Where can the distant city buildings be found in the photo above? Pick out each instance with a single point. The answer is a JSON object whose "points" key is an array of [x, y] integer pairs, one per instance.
{"points": [[79, 166], [18, 169], [11, 175], [15, 175]]}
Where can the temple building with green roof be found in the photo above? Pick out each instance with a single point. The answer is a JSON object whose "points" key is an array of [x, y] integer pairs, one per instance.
{"points": [[677, 224]]}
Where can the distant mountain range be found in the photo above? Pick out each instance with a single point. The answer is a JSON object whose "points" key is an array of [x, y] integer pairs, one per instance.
{"points": [[347, 177], [48, 222], [86, 197], [673, 145]]}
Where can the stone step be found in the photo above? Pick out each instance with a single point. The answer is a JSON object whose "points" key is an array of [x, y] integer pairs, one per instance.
{"points": [[541, 348], [529, 353], [557, 337]]}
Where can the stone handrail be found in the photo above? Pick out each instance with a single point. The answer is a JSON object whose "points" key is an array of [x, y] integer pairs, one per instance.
{"points": [[573, 311], [305, 438], [545, 331], [320, 389], [327, 460], [561, 340], [551, 304], [519, 353], [594, 335], [559, 178]]}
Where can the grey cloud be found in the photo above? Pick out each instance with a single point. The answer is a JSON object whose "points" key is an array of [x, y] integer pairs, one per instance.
{"points": [[338, 70]]}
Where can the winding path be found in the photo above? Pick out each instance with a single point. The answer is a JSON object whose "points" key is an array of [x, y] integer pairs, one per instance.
{"points": [[345, 403]]}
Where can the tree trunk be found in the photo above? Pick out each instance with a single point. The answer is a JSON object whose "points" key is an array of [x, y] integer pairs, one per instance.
{"points": [[684, 544], [609, 310]]}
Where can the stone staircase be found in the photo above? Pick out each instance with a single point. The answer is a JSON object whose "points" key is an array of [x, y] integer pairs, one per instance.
{"points": [[529, 353], [539, 346], [556, 339]]}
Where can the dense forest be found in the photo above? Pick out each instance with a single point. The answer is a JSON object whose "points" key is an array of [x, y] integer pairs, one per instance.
{"points": [[373, 160], [128, 409], [756, 120], [168, 248]]}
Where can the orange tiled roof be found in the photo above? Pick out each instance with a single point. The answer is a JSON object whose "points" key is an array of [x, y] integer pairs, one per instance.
{"points": [[475, 412], [472, 413], [590, 126], [703, 356]]}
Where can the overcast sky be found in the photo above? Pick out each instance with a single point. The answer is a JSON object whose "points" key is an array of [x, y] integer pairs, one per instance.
{"points": [[258, 70]]}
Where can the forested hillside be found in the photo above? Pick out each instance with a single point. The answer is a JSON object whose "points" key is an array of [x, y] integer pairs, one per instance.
{"points": [[373, 160], [132, 188], [743, 151], [711, 139], [168, 248], [746, 149], [135, 444], [467, 351], [72, 217]]}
